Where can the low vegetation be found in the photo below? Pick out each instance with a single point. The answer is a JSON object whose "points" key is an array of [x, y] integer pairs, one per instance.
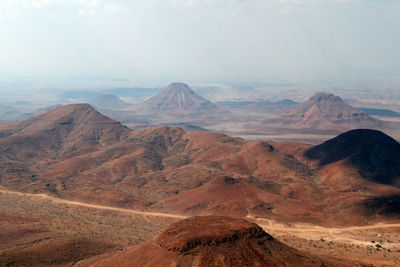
{"points": [[39, 232]]}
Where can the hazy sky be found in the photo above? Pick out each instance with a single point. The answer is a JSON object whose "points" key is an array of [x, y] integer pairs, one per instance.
{"points": [[199, 40]]}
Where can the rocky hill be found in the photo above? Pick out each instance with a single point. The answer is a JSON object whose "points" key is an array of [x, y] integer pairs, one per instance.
{"points": [[211, 241]]}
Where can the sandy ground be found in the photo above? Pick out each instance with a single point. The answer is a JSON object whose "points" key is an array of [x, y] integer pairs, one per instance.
{"points": [[315, 232], [82, 204], [301, 230], [377, 244], [369, 245]]}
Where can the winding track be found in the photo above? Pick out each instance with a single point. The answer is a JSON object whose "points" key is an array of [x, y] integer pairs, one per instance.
{"points": [[301, 230], [95, 206]]}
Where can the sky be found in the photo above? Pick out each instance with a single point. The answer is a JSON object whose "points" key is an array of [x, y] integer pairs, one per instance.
{"points": [[198, 40]]}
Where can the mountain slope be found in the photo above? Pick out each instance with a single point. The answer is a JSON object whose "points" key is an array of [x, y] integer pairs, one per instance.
{"points": [[74, 152], [29, 147]]}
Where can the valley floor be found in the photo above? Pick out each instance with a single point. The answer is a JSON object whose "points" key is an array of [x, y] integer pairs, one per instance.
{"points": [[377, 244], [36, 229]]}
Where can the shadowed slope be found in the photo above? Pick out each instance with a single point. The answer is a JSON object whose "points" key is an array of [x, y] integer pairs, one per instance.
{"points": [[375, 155]]}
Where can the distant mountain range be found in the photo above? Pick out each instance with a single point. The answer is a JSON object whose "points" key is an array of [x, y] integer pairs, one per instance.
{"points": [[75, 152], [178, 104]]}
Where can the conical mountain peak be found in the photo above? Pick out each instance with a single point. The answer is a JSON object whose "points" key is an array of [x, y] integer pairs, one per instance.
{"points": [[178, 87], [176, 100]]}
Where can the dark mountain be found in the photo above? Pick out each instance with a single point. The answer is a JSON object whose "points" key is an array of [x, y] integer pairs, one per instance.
{"points": [[375, 155]]}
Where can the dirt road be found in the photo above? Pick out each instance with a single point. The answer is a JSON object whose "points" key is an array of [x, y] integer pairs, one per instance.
{"points": [[352, 234], [95, 206], [301, 230]]}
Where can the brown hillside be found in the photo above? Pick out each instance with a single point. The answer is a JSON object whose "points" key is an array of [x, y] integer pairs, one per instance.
{"points": [[74, 152], [210, 241]]}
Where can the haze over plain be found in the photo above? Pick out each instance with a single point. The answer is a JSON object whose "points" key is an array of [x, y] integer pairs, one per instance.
{"points": [[156, 42]]}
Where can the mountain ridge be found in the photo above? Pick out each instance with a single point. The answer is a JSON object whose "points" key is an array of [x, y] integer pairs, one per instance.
{"points": [[74, 152]]}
